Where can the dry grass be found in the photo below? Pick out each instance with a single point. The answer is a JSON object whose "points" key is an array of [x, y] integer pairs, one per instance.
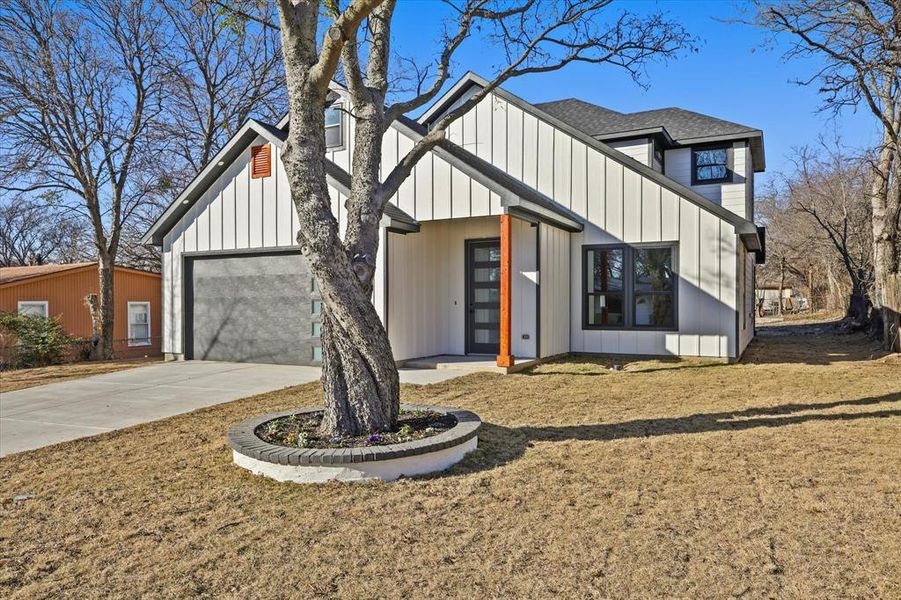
{"points": [[20, 379], [775, 477]]}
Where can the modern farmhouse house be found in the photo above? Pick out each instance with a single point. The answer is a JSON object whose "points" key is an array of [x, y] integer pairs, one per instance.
{"points": [[621, 233]]}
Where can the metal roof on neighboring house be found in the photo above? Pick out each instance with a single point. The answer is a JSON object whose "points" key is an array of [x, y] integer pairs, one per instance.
{"points": [[19, 274], [10, 274]]}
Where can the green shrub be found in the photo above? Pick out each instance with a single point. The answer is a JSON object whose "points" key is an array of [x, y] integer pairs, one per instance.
{"points": [[40, 341]]}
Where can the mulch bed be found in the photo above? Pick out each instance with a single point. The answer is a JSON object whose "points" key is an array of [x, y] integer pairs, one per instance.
{"points": [[302, 431]]}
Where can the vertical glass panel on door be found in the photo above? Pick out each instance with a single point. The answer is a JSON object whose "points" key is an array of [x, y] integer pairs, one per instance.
{"points": [[486, 274]]}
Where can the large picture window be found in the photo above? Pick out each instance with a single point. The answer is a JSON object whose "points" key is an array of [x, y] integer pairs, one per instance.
{"points": [[629, 287], [711, 164]]}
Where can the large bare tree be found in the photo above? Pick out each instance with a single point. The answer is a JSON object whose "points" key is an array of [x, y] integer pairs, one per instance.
{"points": [[859, 42], [830, 187], [225, 68], [359, 378], [80, 86]]}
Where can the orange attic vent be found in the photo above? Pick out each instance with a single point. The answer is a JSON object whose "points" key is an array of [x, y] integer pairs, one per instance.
{"points": [[260, 161]]}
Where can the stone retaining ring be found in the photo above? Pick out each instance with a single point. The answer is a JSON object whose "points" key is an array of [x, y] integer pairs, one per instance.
{"points": [[387, 463]]}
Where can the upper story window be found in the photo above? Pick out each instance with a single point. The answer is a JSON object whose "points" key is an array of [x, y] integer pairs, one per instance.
{"points": [[711, 164], [334, 136], [629, 287], [33, 308]]}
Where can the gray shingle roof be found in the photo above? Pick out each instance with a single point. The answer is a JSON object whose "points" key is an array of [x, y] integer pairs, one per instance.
{"points": [[682, 125]]}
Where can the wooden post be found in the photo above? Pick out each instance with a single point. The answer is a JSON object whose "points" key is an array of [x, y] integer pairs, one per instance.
{"points": [[505, 357]]}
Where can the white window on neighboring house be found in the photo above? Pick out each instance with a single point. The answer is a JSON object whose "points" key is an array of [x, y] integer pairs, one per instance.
{"points": [[33, 308], [138, 323]]}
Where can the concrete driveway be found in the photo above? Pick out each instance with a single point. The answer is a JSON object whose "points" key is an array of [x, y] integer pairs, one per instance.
{"points": [[59, 412]]}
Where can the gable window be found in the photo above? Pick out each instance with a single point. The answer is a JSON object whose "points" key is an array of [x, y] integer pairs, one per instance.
{"points": [[33, 308], [711, 164], [334, 136], [260, 161], [138, 323], [628, 287]]}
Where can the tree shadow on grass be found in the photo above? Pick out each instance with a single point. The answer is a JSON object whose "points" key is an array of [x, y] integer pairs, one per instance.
{"points": [[499, 445], [582, 365]]}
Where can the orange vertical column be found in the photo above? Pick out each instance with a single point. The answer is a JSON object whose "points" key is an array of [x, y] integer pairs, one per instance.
{"points": [[505, 357]]}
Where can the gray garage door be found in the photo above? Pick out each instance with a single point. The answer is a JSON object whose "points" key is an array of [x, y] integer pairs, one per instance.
{"points": [[252, 308]]}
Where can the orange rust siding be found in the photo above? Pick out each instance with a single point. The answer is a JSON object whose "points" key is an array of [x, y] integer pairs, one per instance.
{"points": [[65, 292]]}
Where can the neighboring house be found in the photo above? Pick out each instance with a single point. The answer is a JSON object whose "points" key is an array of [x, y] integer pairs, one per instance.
{"points": [[627, 234], [60, 290], [768, 298]]}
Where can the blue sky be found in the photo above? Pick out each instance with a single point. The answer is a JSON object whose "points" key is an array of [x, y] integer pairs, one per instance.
{"points": [[734, 75]]}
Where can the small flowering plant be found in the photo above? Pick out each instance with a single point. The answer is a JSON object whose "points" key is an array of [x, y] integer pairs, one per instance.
{"points": [[302, 431]]}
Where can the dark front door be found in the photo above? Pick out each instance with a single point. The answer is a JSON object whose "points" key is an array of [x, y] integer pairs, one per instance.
{"points": [[483, 291]]}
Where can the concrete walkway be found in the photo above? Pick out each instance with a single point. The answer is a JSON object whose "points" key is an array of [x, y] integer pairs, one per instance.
{"points": [[58, 412]]}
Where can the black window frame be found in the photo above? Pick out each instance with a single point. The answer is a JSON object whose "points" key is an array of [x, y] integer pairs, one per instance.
{"points": [[628, 292], [730, 164]]}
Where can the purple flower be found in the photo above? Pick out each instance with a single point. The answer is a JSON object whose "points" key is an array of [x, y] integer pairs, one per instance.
{"points": [[335, 439], [374, 439]]}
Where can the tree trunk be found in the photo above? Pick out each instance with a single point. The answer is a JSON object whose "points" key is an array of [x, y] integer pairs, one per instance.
{"points": [[357, 400], [359, 378], [93, 304], [891, 312], [884, 199], [781, 282], [810, 303], [104, 346]]}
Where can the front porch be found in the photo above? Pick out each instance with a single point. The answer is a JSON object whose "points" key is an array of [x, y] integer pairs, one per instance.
{"points": [[464, 293], [473, 363]]}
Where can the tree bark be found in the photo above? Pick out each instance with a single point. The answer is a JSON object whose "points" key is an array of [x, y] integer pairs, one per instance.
{"points": [[359, 377], [884, 199], [781, 283], [106, 305]]}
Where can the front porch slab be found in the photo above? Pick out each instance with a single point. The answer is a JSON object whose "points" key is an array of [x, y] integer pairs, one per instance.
{"points": [[470, 363]]}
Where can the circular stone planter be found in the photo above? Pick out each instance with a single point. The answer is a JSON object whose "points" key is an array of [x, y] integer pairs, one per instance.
{"points": [[386, 463]]}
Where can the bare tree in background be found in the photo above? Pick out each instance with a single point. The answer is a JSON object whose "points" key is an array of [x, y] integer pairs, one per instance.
{"points": [[33, 234], [225, 68], [831, 188], [80, 86], [819, 232], [359, 377], [860, 42]]}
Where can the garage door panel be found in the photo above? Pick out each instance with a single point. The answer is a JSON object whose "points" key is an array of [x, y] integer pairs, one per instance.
{"points": [[251, 308]]}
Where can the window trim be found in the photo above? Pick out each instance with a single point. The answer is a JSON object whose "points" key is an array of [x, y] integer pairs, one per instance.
{"points": [[628, 286], [730, 164], [337, 105], [44, 303], [131, 339]]}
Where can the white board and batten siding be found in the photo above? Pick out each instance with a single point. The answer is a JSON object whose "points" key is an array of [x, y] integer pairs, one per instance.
{"points": [[619, 205], [427, 287], [639, 149], [732, 196], [236, 213]]}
